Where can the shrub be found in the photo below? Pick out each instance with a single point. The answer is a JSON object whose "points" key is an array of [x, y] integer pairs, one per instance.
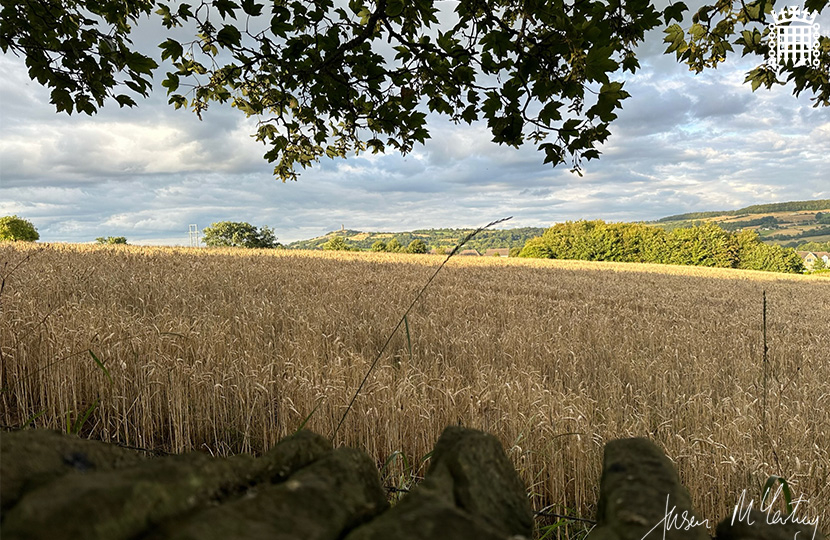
{"points": [[416, 246], [13, 228], [111, 240], [536, 248], [336, 243], [394, 246]]}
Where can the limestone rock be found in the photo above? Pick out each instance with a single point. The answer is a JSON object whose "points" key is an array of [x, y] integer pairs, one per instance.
{"points": [[34, 457], [292, 454], [320, 502], [59, 487], [641, 497], [123, 503], [471, 492]]}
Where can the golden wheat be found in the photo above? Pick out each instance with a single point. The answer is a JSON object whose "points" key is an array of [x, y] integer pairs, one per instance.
{"points": [[229, 350]]}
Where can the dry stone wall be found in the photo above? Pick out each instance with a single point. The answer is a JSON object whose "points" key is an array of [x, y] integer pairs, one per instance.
{"points": [[59, 487]]}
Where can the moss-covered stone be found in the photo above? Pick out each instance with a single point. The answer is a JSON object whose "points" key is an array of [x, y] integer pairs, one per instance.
{"points": [[320, 502], [123, 503], [35, 457], [292, 454], [641, 496], [112, 505], [56, 487], [471, 491]]}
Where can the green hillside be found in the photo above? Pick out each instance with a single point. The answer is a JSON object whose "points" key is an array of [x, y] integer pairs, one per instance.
{"points": [[790, 224], [793, 206], [433, 238]]}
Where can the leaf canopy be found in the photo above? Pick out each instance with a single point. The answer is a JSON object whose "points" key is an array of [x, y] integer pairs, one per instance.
{"points": [[334, 78]]}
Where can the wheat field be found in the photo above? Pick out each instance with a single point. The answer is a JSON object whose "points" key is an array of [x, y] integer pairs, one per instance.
{"points": [[227, 351]]}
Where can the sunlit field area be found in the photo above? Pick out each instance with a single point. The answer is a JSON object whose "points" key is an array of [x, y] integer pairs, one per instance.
{"points": [[227, 351]]}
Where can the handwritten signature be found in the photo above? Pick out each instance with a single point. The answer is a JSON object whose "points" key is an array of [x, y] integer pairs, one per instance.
{"points": [[685, 520]]}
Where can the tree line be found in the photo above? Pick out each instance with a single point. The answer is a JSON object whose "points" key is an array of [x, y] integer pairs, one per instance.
{"points": [[701, 245], [434, 238]]}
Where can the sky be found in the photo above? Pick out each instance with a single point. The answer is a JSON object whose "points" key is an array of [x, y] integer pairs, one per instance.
{"points": [[682, 143]]}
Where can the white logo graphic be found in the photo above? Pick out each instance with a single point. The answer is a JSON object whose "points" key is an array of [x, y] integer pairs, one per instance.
{"points": [[793, 38]]}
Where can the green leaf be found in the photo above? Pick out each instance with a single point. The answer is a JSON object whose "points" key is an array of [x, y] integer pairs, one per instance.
{"points": [[630, 63], [703, 14], [508, 130], [34, 417], [598, 64], [785, 488], [550, 112], [553, 153], [171, 49], [252, 8], [229, 36], [280, 22], [674, 36], [470, 114], [674, 33], [141, 64], [171, 83], [391, 459], [674, 12], [135, 87], [166, 16], [185, 12], [79, 423], [226, 7], [178, 101], [125, 100], [100, 365], [307, 418], [394, 8], [568, 129], [697, 31], [62, 100]]}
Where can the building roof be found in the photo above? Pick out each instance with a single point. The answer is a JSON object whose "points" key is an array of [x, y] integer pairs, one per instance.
{"points": [[817, 254], [470, 252]]}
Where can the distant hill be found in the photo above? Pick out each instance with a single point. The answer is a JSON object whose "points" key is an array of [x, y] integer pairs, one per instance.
{"points": [[790, 224], [794, 206], [433, 238]]}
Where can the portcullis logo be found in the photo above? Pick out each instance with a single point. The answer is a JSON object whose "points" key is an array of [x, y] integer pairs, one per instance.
{"points": [[793, 38]]}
